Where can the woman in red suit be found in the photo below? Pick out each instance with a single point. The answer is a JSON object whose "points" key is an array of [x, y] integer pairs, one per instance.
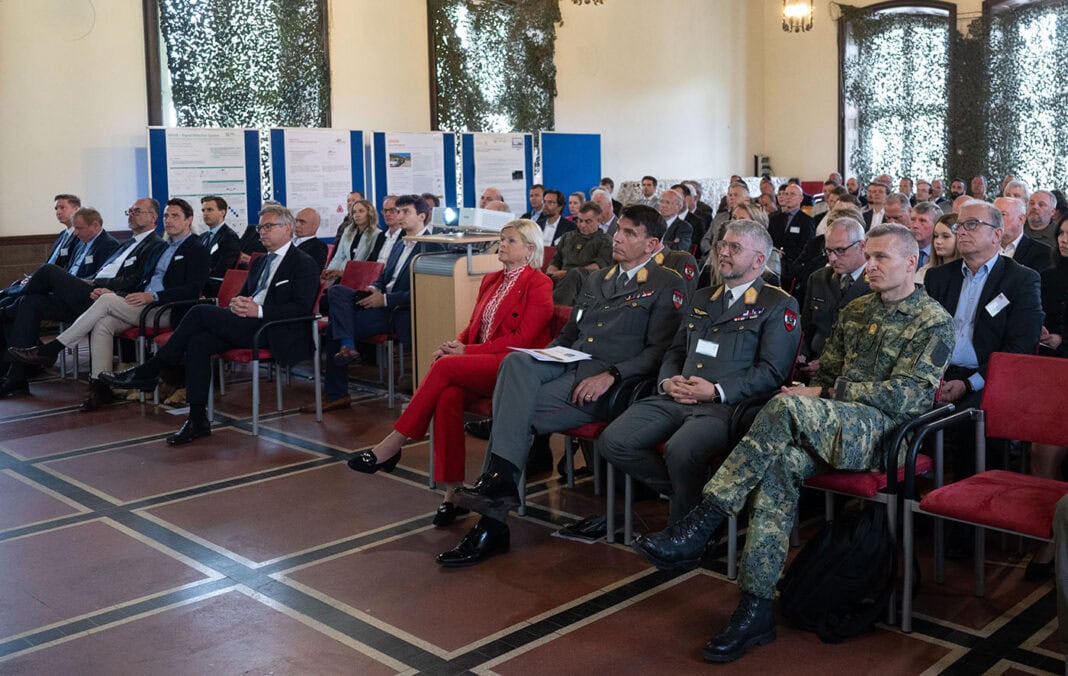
{"points": [[513, 309]]}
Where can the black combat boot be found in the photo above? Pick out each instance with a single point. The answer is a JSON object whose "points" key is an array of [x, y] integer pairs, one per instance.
{"points": [[752, 624], [681, 545]]}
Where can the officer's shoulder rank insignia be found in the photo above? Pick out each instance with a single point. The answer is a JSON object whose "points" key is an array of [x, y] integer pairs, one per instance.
{"points": [[642, 275], [611, 272], [716, 294], [750, 296], [659, 258]]}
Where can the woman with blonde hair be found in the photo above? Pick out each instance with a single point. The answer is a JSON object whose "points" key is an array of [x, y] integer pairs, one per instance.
{"points": [[513, 309], [356, 240]]}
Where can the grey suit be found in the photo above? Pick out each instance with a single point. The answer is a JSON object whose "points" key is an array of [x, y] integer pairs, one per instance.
{"points": [[627, 329], [747, 349], [823, 301]]}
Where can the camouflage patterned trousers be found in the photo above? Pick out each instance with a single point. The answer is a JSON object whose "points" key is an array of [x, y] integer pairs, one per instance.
{"points": [[791, 439]]}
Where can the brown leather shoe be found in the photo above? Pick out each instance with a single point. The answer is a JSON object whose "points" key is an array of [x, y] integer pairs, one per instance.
{"points": [[99, 395], [32, 355], [335, 405], [346, 355]]}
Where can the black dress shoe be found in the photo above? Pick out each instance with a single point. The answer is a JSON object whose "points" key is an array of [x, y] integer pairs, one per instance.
{"points": [[447, 513], [366, 462], [99, 395], [682, 545], [480, 543], [32, 355], [1038, 572], [129, 380], [14, 388], [492, 492], [191, 430], [479, 429], [751, 625], [540, 456]]}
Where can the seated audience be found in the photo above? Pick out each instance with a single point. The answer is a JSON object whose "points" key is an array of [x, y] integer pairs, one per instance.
{"points": [[679, 232], [1040, 223], [537, 208], [306, 236], [554, 226], [574, 202], [358, 240], [922, 220], [579, 253], [221, 242], [790, 230], [867, 386], [943, 245], [1024, 250], [513, 309], [281, 285]]}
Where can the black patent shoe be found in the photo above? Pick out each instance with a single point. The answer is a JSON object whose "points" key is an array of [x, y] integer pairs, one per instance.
{"points": [[128, 380], [491, 493], [751, 625], [447, 513], [480, 543], [682, 545], [367, 463], [191, 430]]}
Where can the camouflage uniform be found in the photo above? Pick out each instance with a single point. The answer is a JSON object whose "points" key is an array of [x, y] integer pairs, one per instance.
{"points": [[574, 253], [884, 362]]}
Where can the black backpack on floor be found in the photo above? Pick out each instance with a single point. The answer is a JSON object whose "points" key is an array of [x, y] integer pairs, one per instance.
{"points": [[840, 583]]}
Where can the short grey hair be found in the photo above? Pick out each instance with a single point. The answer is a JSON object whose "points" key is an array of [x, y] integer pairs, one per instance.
{"points": [[929, 208], [851, 225], [755, 232], [1019, 183], [901, 200], [906, 241], [285, 216], [992, 212]]}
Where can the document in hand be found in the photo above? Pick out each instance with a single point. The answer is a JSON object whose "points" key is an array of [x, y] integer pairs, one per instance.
{"points": [[561, 355]]}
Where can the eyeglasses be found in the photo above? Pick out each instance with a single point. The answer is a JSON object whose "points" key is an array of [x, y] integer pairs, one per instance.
{"points": [[264, 227], [137, 212], [734, 247], [390, 210], [971, 224], [839, 252]]}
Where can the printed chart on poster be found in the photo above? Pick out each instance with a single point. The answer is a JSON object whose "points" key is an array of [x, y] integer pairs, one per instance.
{"points": [[193, 163], [317, 169], [503, 161], [415, 163]]}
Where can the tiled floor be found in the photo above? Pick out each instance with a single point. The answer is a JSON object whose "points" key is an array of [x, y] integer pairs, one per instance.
{"points": [[242, 554]]}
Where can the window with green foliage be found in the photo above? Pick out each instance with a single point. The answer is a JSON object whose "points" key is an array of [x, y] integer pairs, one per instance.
{"points": [[1027, 113], [493, 64], [894, 90], [244, 63]]}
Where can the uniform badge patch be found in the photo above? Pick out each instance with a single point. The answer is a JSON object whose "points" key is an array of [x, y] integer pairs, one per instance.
{"points": [[677, 298], [790, 320], [751, 313], [688, 271]]}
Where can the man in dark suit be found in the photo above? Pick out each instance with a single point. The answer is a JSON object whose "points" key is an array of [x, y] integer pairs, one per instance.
{"points": [[831, 288], [608, 217], [281, 285], [735, 341], [52, 293], [790, 230], [1014, 244], [221, 242], [177, 272], [553, 225], [624, 318], [62, 248], [305, 236], [679, 233], [996, 307], [537, 208], [382, 308], [876, 199], [698, 214], [608, 185]]}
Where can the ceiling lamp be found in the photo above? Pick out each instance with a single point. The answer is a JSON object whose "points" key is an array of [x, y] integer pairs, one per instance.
{"points": [[797, 15]]}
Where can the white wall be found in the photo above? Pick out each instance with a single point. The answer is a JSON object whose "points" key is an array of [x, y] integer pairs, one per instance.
{"points": [[72, 109], [668, 85]]}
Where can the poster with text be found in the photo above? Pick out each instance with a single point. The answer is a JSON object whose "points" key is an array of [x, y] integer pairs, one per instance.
{"points": [[415, 163], [500, 160], [318, 165], [202, 162]]}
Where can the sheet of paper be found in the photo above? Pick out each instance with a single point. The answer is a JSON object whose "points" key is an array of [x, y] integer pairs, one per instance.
{"points": [[560, 355]]}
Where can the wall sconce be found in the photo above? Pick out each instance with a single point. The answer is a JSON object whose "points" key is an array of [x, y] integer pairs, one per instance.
{"points": [[797, 15]]}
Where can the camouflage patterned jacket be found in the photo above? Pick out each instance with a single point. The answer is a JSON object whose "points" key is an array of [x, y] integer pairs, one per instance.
{"points": [[890, 356]]}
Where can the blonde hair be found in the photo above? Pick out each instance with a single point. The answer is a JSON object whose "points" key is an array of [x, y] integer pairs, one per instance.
{"points": [[530, 233]]}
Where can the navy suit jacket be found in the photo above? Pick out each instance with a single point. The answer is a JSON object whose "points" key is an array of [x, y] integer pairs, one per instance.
{"points": [[1015, 328], [401, 294], [291, 294], [223, 250], [1033, 254], [143, 257], [101, 248], [317, 249]]}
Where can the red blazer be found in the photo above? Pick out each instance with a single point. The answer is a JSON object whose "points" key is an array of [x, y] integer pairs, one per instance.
{"points": [[522, 319]]}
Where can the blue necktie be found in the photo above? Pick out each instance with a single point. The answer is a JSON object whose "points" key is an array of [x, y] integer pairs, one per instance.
{"points": [[923, 259], [79, 256], [265, 275], [394, 258]]}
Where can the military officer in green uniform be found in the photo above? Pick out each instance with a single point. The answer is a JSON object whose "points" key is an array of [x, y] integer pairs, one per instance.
{"points": [[624, 318], [880, 367], [734, 341], [581, 251]]}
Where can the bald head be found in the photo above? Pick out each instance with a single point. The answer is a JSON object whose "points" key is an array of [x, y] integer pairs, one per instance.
{"points": [[307, 223], [490, 194]]}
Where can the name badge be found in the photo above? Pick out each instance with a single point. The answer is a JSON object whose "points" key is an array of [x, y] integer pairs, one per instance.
{"points": [[795, 229], [64, 252], [214, 247], [178, 258], [280, 283], [997, 305], [87, 260], [707, 347]]}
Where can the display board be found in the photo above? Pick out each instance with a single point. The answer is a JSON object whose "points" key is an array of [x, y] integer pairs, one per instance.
{"points": [[570, 162], [503, 161], [192, 163], [415, 163], [317, 169]]}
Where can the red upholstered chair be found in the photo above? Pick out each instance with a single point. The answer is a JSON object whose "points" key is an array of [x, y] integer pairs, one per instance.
{"points": [[256, 354], [361, 274], [1024, 399], [550, 251]]}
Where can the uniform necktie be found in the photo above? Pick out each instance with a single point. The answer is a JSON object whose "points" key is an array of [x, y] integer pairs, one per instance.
{"points": [[728, 298], [844, 282], [621, 280], [265, 275]]}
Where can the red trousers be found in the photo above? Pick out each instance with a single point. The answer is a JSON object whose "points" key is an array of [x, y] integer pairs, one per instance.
{"points": [[452, 383]]}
